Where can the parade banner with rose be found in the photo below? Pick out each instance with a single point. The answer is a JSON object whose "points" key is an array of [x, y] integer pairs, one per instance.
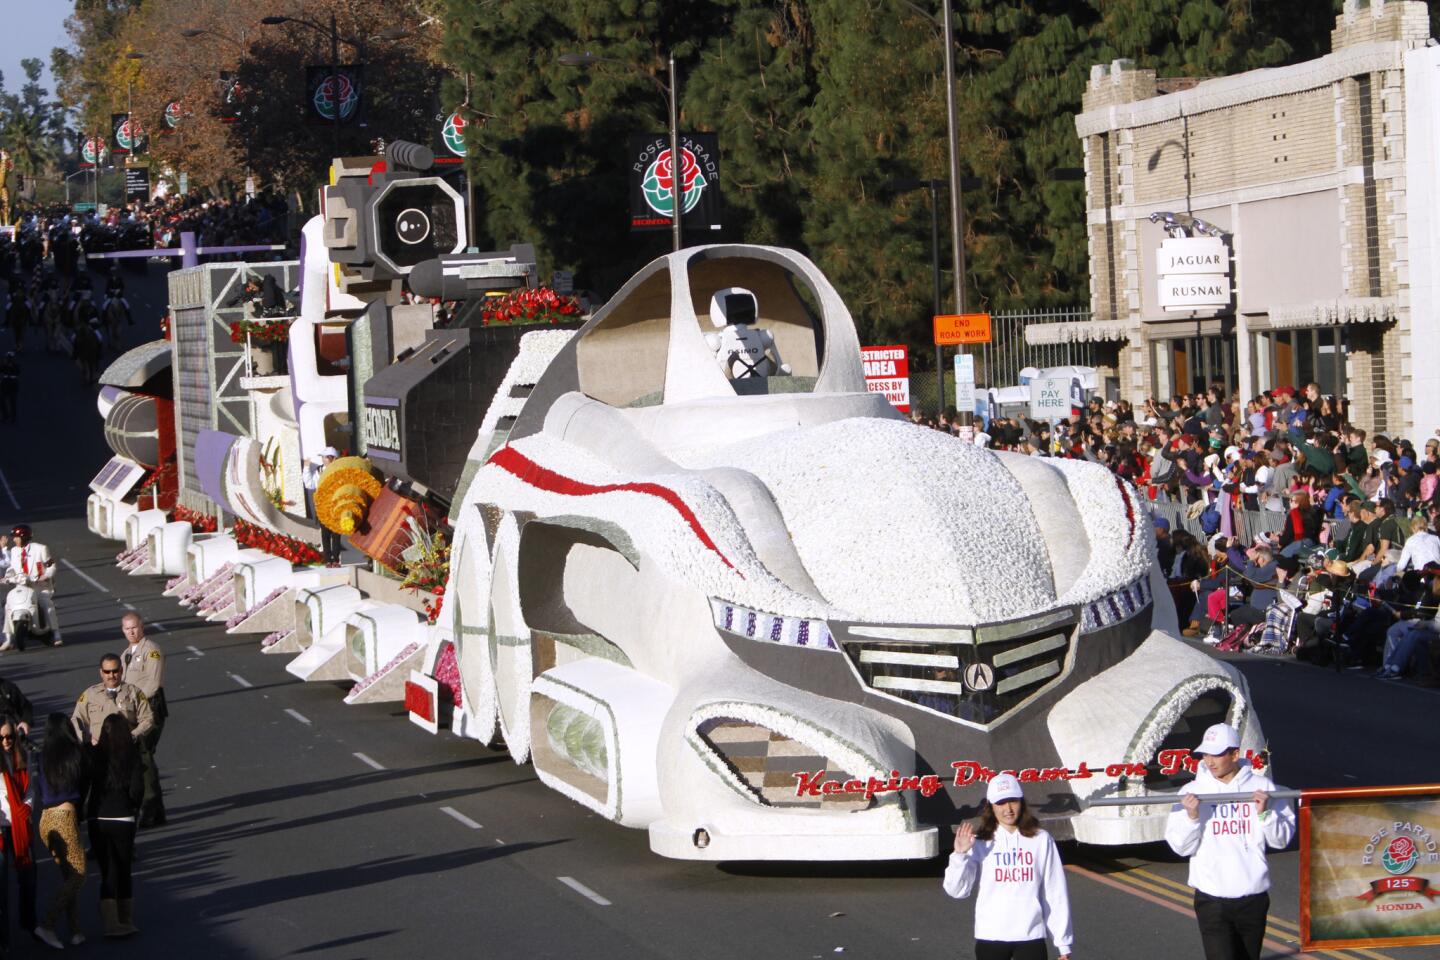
{"points": [[328, 89], [652, 182], [1370, 867], [94, 152], [126, 135]]}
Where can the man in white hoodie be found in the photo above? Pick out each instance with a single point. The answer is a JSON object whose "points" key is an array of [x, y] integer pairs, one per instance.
{"points": [[1226, 843]]}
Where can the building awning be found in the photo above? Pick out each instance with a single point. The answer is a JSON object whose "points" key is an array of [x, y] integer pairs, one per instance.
{"points": [[1076, 331], [1323, 313]]}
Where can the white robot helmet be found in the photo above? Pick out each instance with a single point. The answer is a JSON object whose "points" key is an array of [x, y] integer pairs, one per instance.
{"points": [[733, 305]]}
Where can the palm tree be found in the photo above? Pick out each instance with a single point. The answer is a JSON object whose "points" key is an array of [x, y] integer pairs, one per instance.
{"points": [[30, 149]]}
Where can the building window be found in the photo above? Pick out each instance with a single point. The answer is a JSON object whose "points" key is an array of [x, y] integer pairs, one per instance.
{"points": [[1293, 358], [1188, 365]]}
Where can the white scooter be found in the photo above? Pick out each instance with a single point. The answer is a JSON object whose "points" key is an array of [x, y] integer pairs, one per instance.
{"points": [[23, 619]]}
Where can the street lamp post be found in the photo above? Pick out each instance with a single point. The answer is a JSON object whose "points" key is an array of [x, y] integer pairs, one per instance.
{"points": [[671, 92], [957, 211], [334, 77], [130, 112]]}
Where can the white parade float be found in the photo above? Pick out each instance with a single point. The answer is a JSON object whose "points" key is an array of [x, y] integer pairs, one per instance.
{"points": [[717, 604], [701, 578]]}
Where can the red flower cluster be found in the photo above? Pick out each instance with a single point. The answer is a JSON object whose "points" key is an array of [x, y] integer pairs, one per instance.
{"points": [[202, 522], [275, 544], [261, 332], [540, 305], [432, 607]]}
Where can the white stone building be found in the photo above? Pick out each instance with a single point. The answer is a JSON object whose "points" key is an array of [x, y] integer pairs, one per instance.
{"points": [[1323, 178]]}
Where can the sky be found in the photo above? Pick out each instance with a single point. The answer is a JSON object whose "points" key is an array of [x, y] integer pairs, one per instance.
{"points": [[32, 29]]}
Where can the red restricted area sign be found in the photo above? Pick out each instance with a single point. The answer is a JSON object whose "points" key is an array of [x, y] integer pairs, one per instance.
{"points": [[887, 371]]}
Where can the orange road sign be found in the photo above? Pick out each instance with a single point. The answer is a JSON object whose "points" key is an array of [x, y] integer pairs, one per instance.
{"points": [[952, 329]]}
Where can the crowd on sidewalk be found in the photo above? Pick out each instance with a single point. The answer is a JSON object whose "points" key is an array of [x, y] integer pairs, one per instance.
{"points": [[1282, 527]]}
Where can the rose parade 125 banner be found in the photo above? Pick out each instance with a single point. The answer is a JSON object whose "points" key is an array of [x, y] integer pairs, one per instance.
{"points": [[1370, 867], [651, 191]]}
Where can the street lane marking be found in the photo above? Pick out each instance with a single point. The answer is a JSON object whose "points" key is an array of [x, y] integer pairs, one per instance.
{"points": [[1288, 950], [452, 812], [85, 576], [196, 650], [374, 765], [298, 715], [241, 680], [160, 626], [8, 492], [1184, 895], [583, 890], [127, 606]]}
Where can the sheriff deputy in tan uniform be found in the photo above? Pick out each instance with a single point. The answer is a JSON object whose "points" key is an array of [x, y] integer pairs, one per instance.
{"points": [[112, 695], [144, 668]]}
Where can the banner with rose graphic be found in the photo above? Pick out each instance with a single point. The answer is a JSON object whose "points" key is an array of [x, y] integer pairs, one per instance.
{"points": [[1370, 867], [330, 88], [652, 182]]}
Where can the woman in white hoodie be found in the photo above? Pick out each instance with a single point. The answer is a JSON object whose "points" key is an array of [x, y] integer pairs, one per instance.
{"points": [[1226, 843], [1022, 881]]}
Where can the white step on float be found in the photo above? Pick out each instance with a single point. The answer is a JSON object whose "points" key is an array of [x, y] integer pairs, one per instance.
{"points": [[382, 645]]}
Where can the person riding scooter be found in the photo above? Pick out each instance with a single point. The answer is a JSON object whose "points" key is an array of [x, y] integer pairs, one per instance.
{"points": [[32, 572]]}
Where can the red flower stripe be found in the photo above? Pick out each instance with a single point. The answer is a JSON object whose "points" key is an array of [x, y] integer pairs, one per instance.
{"points": [[514, 462], [1129, 509]]}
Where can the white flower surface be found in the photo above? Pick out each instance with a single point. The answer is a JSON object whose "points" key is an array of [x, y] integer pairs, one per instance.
{"points": [[903, 524], [657, 528], [1122, 540]]}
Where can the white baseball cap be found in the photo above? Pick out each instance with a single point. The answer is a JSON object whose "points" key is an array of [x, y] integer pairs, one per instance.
{"points": [[1003, 787], [1219, 738], [329, 452], [1381, 456]]}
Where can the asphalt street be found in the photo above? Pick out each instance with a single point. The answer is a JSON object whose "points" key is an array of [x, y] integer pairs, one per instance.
{"points": [[303, 827]]}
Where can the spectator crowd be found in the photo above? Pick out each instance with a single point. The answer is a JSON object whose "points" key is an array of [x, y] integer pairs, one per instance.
{"points": [[1281, 526]]}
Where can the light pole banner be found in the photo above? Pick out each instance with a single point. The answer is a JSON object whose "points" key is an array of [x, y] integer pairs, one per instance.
{"points": [[126, 135], [230, 93], [1370, 867], [652, 181], [330, 88]]}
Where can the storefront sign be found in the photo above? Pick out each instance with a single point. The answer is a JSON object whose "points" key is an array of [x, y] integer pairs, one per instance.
{"points": [[1192, 255], [887, 371], [1194, 273], [1370, 867]]}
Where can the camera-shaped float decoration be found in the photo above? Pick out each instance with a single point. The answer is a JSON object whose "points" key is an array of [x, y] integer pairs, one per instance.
{"points": [[381, 224]]}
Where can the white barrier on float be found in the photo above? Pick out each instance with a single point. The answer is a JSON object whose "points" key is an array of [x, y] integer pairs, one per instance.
{"points": [[265, 593], [207, 556], [324, 658], [139, 525], [374, 637], [169, 548]]}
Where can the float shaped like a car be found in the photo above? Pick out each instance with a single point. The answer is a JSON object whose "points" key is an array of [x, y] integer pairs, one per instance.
{"points": [[697, 563]]}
